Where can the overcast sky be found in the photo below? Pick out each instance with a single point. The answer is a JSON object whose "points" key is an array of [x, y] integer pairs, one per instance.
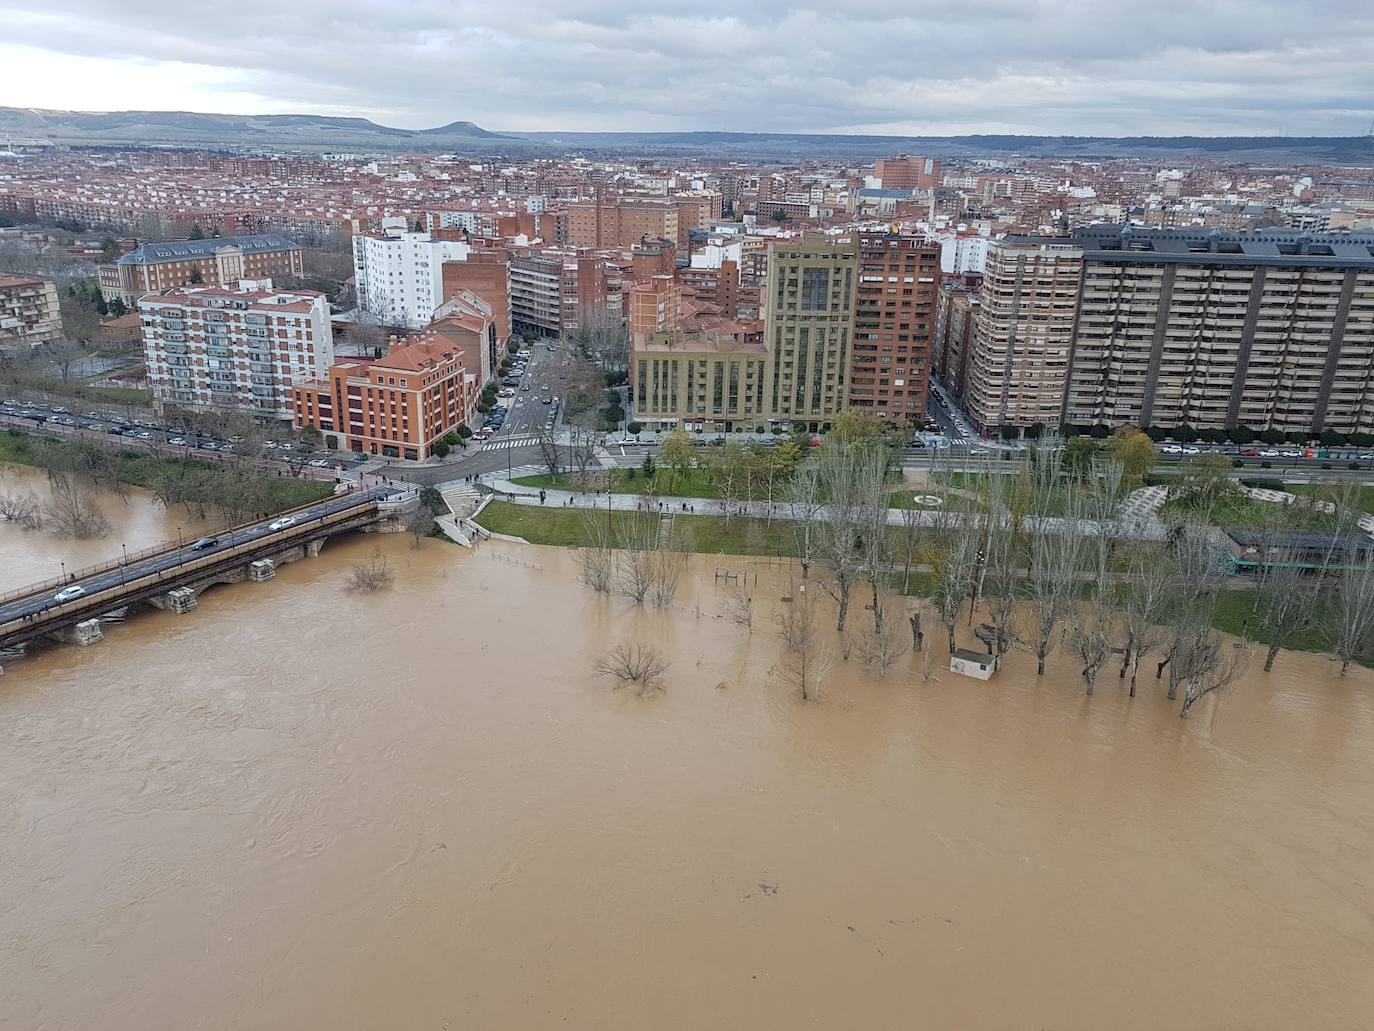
{"points": [[1084, 67]]}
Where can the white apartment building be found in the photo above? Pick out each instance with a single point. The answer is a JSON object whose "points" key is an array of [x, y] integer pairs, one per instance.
{"points": [[400, 274], [235, 348], [962, 252]]}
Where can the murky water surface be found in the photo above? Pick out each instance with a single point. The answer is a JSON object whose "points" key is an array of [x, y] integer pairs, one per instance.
{"points": [[298, 807]]}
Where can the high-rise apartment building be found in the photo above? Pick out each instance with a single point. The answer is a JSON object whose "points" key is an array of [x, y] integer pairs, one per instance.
{"points": [[235, 348], [1272, 329], [1022, 333], [894, 325], [810, 318], [400, 276], [536, 295], [222, 261], [622, 222], [29, 312], [907, 172]]}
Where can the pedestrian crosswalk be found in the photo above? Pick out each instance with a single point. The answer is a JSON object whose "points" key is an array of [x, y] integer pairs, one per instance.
{"points": [[503, 443]]}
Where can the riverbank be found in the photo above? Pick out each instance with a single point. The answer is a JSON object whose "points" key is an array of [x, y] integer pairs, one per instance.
{"points": [[187, 481], [746, 536]]}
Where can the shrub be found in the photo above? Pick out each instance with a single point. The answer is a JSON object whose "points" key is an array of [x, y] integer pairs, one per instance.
{"points": [[1236, 463], [1353, 465], [439, 449], [1326, 465], [463, 431], [631, 473], [1266, 464], [634, 427]]}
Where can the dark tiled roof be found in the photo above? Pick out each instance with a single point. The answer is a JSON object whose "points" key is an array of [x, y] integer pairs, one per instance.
{"points": [[181, 250]]}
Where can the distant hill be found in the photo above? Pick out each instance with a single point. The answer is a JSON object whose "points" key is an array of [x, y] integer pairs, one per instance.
{"points": [[322, 132], [285, 132], [1347, 150]]}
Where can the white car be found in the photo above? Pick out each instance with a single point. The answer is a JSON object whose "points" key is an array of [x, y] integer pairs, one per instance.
{"points": [[282, 523], [1190, 450], [1269, 454], [68, 593], [1291, 454], [1171, 449], [320, 463]]}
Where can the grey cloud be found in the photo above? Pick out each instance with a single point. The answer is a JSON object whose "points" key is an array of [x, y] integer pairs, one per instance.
{"points": [[1072, 66]]}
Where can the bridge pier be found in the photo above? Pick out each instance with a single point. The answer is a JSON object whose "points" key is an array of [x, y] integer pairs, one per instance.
{"points": [[262, 570], [86, 632], [181, 600], [312, 548]]}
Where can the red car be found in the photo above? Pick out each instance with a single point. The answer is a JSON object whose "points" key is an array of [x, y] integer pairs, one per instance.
{"points": [[1249, 453]]}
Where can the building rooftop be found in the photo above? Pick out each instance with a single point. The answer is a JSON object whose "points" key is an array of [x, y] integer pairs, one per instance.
{"points": [[181, 250], [1281, 247], [9, 282]]}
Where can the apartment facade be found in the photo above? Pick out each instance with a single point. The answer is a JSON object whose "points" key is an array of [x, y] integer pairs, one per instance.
{"points": [[895, 310], [1022, 334], [810, 303], [622, 222], [399, 274], [398, 406], [1273, 329], [239, 348], [220, 262], [29, 312]]}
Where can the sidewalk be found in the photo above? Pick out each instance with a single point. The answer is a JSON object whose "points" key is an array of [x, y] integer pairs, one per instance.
{"points": [[518, 494]]}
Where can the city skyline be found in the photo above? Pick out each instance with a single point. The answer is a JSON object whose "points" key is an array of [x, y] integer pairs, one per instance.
{"points": [[1055, 68]]}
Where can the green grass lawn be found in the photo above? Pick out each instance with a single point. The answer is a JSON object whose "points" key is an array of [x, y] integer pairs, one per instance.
{"points": [[1322, 490], [1250, 513], [707, 535], [696, 483]]}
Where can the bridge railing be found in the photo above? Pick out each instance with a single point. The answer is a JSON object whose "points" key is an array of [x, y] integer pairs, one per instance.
{"points": [[76, 575]]}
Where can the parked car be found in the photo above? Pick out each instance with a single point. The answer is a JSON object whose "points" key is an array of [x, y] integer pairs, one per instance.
{"points": [[68, 593], [1249, 453], [1188, 449], [202, 543], [320, 463], [282, 523], [177, 440], [1269, 453]]}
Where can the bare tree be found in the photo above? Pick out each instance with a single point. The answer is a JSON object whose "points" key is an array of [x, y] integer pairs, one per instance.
{"points": [[420, 525], [841, 467], [1144, 599], [881, 646], [805, 660], [548, 451], [1055, 555], [739, 609], [71, 509], [1208, 663], [596, 557], [666, 570], [805, 505], [1349, 609], [1284, 600], [637, 537], [23, 509], [1101, 506], [635, 664], [1091, 640], [955, 563], [1197, 578], [374, 574], [582, 447]]}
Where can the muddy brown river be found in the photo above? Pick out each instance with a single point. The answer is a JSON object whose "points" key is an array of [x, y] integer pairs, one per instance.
{"points": [[298, 807]]}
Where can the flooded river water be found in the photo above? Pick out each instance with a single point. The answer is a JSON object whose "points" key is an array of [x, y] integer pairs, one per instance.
{"points": [[298, 807]]}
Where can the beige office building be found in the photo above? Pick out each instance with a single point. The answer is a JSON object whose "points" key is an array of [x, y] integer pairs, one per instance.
{"points": [[810, 318]]}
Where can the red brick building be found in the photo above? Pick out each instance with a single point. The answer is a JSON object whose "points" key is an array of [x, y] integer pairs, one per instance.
{"points": [[894, 325]]}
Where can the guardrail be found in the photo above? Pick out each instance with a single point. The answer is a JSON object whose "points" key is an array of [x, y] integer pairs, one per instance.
{"points": [[132, 557]]}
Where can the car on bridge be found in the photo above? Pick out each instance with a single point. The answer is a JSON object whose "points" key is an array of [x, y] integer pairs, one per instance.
{"points": [[203, 543], [69, 593], [282, 523]]}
